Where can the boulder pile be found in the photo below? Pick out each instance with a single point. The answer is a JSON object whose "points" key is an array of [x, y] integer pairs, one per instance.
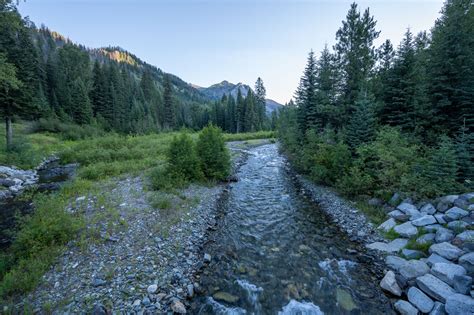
{"points": [[431, 259]]}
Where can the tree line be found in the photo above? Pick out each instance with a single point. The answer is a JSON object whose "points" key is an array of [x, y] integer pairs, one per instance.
{"points": [[44, 75], [358, 100]]}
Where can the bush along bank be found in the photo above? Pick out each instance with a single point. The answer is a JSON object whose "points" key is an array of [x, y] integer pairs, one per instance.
{"points": [[430, 255]]}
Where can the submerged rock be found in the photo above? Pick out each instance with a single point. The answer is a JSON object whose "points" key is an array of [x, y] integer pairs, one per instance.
{"points": [[225, 296], [344, 300]]}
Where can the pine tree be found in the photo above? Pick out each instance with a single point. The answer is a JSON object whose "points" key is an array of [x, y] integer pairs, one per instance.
{"points": [[249, 115], [361, 127], [443, 168], [326, 78], [356, 54], [451, 71], [168, 105], [260, 100], [306, 98], [240, 112], [81, 111]]}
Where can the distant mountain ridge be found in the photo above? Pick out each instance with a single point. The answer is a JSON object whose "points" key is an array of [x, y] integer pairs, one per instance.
{"points": [[216, 91]]}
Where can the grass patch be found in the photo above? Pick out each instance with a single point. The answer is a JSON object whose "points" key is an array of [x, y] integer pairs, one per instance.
{"points": [[423, 247], [249, 136], [391, 235], [375, 214]]}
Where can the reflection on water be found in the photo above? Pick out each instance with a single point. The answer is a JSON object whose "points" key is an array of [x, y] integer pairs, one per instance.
{"points": [[276, 253]]}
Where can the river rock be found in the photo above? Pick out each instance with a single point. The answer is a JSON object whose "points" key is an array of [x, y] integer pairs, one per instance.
{"points": [[207, 258], [394, 246], [440, 218], [434, 287], [405, 308], [387, 225], [467, 261], [424, 220], [443, 235], [178, 307], [435, 258], [412, 253], [413, 269], [447, 271], [432, 228], [344, 300], [406, 230], [398, 215], [461, 202], [462, 284], [428, 209], [152, 289], [459, 304], [389, 283], [226, 297], [457, 225], [456, 213], [395, 262], [426, 238], [420, 300], [438, 309], [466, 236], [446, 250], [408, 209]]}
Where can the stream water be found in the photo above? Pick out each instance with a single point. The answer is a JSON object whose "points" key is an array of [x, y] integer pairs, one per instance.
{"points": [[275, 252]]}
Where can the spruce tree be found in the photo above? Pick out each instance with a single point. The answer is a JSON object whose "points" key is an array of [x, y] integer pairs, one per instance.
{"points": [[464, 143], [240, 112], [305, 97], [260, 100], [168, 105], [361, 127], [443, 168]]}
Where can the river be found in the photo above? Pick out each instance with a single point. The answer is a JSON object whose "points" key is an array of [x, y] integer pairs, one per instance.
{"points": [[276, 252]]}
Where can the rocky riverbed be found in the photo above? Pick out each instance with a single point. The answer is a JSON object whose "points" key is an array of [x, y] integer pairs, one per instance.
{"points": [[142, 252]]}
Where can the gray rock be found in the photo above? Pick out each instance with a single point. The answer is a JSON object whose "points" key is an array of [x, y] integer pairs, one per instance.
{"points": [[424, 220], [456, 213], [426, 238], [462, 284], [398, 215], [457, 225], [413, 269], [97, 282], [466, 236], [395, 262], [443, 235], [449, 198], [178, 307], [99, 309], [467, 261], [393, 247], [420, 300], [459, 304], [461, 203], [440, 218], [438, 309], [406, 230], [442, 206], [447, 271], [405, 308], [412, 254], [207, 258], [434, 258], [408, 208], [152, 289], [446, 250], [387, 225], [389, 283], [190, 289], [395, 199], [432, 228], [434, 287], [428, 209]]}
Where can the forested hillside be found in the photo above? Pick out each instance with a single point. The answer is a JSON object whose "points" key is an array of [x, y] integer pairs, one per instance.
{"points": [[45, 75], [374, 120]]}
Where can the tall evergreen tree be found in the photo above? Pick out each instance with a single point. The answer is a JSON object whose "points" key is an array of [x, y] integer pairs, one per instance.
{"points": [[306, 98], [240, 111], [168, 105], [361, 127], [260, 100]]}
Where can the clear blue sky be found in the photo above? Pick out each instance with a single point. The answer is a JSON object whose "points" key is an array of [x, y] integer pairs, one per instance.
{"points": [[207, 41]]}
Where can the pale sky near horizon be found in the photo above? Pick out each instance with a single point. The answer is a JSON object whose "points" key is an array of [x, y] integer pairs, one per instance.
{"points": [[207, 41]]}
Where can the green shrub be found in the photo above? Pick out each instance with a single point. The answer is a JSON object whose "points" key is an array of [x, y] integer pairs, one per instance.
{"points": [[213, 154], [182, 159], [355, 183]]}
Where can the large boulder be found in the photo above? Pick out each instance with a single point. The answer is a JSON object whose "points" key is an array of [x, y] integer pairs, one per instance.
{"points": [[459, 304], [440, 218], [406, 230], [462, 284], [447, 271], [395, 262], [466, 236], [434, 287], [426, 238], [456, 213], [389, 283], [420, 300], [405, 308], [444, 235], [424, 220], [398, 215], [467, 261], [434, 258], [409, 209], [388, 225], [438, 309], [446, 250], [393, 247], [413, 269], [428, 209]]}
